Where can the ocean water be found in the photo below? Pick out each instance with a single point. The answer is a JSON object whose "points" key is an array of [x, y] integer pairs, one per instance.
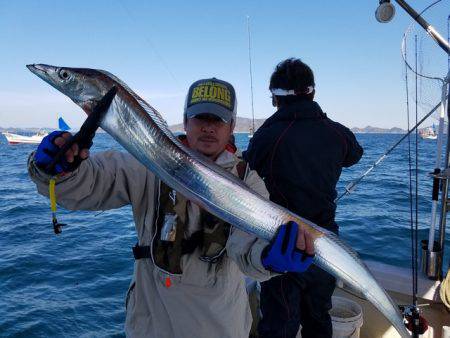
{"points": [[74, 284]]}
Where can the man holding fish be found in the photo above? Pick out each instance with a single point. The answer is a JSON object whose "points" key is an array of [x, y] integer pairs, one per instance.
{"points": [[189, 264]]}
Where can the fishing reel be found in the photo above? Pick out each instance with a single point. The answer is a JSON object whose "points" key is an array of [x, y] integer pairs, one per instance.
{"points": [[414, 321]]}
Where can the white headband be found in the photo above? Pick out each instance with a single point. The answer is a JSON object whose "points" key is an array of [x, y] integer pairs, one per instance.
{"points": [[284, 92]]}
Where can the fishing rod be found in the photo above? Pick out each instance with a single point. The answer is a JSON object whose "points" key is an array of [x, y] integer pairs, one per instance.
{"points": [[251, 73], [349, 188]]}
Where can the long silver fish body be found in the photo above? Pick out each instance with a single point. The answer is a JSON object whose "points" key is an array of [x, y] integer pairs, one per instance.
{"points": [[142, 131]]}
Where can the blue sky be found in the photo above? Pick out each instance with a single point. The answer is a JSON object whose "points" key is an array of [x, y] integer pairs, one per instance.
{"points": [[159, 48]]}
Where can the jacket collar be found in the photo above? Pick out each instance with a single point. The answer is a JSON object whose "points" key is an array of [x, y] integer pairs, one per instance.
{"points": [[302, 110], [227, 159]]}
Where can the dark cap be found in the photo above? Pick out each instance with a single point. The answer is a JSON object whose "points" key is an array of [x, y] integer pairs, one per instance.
{"points": [[211, 96]]}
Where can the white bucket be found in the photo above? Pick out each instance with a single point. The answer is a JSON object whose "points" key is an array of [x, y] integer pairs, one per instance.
{"points": [[446, 332], [347, 318]]}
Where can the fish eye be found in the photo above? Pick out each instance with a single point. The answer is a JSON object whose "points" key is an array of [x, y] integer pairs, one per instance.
{"points": [[64, 74]]}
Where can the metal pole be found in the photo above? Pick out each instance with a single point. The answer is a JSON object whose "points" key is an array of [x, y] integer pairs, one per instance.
{"points": [[444, 198], [437, 169], [444, 207], [430, 29]]}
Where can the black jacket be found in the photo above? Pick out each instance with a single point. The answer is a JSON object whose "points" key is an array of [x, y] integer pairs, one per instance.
{"points": [[300, 152]]}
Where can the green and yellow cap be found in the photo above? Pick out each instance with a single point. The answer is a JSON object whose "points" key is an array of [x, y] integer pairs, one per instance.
{"points": [[211, 96]]}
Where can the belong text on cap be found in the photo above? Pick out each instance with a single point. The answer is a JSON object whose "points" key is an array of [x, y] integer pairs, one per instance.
{"points": [[211, 96]]}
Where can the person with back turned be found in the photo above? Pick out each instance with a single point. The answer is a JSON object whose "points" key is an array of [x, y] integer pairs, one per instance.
{"points": [[189, 265], [300, 153]]}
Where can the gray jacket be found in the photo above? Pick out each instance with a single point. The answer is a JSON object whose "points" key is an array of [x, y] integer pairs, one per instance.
{"points": [[206, 300]]}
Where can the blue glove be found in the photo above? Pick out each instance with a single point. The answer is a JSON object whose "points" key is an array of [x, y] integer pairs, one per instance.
{"points": [[47, 150], [282, 254]]}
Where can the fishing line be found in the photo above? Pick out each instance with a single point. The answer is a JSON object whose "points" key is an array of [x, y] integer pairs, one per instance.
{"points": [[133, 21], [352, 185]]}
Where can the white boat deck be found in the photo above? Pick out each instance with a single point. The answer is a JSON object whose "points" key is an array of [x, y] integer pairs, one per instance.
{"points": [[397, 281]]}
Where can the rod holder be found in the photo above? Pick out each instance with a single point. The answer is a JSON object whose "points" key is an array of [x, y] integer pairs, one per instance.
{"points": [[431, 261]]}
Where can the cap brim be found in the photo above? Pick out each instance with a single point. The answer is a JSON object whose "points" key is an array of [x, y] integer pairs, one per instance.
{"points": [[209, 108]]}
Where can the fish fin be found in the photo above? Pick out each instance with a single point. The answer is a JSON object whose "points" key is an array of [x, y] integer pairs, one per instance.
{"points": [[155, 115]]}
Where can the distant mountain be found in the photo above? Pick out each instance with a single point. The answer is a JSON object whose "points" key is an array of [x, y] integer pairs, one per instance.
{"points": [[24, 130], [243, 125], [376, 130]]}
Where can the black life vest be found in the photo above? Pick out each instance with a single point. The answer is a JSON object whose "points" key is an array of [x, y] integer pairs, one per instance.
{"points": [[171, 220]]}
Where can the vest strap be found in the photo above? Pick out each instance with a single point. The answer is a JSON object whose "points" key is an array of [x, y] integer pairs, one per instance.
{"points": [[141, 251], [188, 246], [211, 239], [242, 169]]}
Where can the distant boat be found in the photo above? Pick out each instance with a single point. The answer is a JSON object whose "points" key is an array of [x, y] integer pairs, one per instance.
{"points": [[34, 139], [428, 133], [251, 132], [16, 138]]}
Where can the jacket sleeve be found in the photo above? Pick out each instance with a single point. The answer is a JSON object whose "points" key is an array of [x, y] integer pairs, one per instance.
{"points": [[104, 181], [354, 151], [245, 249]]}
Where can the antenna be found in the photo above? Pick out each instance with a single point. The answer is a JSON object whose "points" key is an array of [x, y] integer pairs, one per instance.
{"points": [[251, 73]]}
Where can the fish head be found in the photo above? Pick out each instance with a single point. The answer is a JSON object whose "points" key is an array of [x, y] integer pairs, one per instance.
{"points": [[83, 86]]}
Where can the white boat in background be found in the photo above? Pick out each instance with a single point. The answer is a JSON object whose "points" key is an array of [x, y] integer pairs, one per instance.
{"points": [[428, 133], [34, 139], [16, 138], [251, 132]]}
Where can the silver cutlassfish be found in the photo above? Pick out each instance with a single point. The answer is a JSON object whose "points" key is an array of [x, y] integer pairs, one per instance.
{"points": [[142, 131]]}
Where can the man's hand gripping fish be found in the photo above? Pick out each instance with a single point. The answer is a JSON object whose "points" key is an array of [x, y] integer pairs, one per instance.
{"points": [[141, 130]]}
